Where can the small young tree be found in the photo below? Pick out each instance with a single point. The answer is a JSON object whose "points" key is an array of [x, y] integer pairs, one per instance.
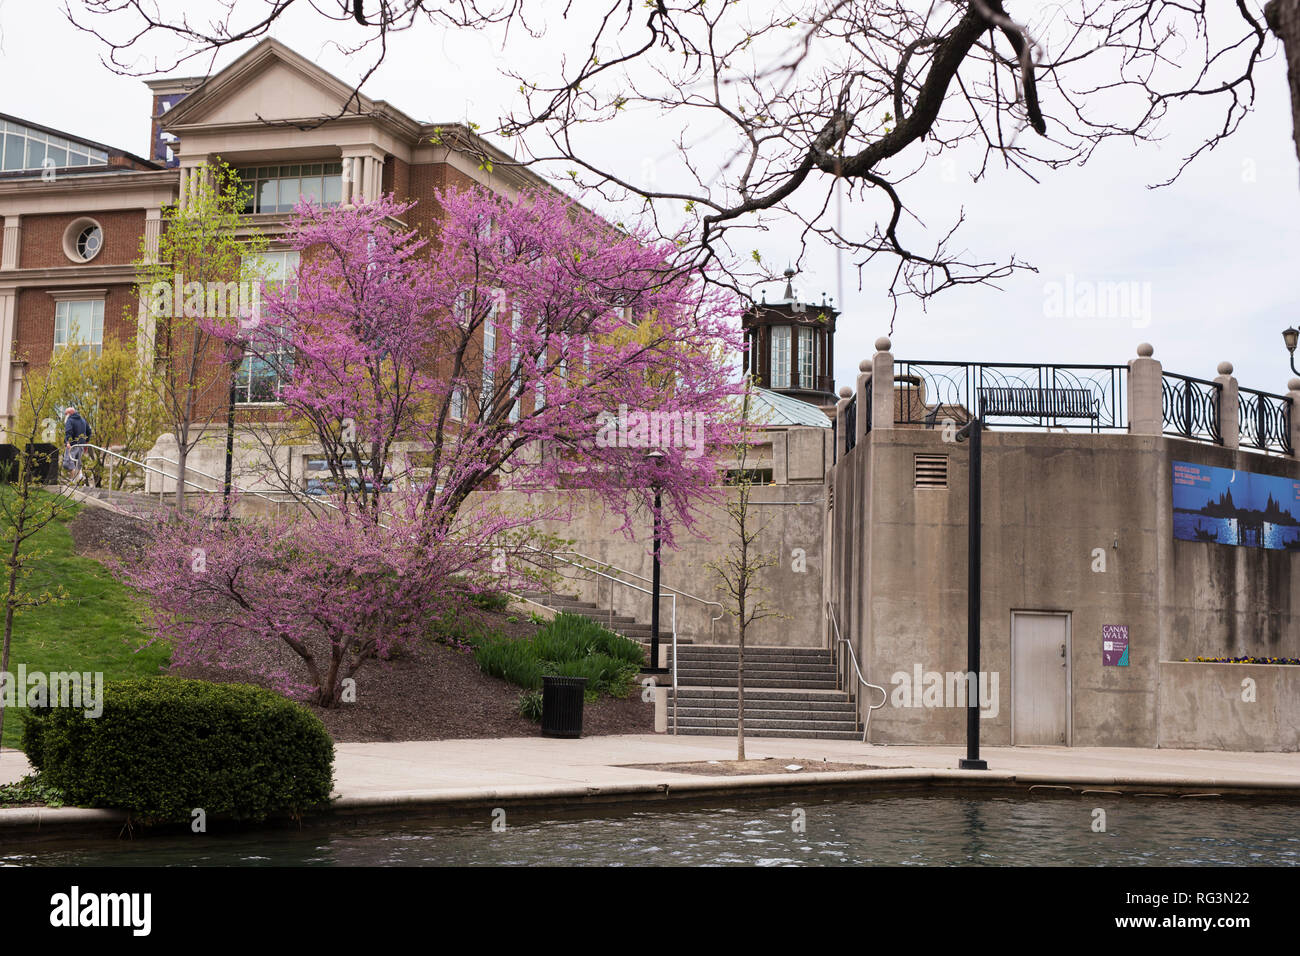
{"points": [[739, 569], [201, 291], [25, 510]]}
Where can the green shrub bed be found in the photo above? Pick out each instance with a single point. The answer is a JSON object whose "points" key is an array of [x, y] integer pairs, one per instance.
{"points": [[164, 747], [569, 646]]}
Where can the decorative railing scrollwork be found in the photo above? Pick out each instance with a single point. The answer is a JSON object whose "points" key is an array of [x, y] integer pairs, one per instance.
{"points": [[1264, 421], [932, 393], [1191, 408]]}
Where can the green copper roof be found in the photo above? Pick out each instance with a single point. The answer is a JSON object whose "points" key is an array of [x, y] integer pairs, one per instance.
{"points": [[772, 408]]}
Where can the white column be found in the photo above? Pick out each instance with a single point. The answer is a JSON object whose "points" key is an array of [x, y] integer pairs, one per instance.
{"points": [[882, 387], [8, 318], [1145, 393], [152, 234], [1229, 399], [345, 197], [13, 242], [841, 439], [376, 178], [862, 387], [1293, 393]]}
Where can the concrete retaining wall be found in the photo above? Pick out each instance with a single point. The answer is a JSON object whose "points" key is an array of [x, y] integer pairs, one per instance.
{"points": [[1058, 507], [1229, 706]]}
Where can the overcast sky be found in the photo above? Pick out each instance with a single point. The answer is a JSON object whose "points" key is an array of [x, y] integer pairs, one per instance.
{"points": [[1218, 253]]}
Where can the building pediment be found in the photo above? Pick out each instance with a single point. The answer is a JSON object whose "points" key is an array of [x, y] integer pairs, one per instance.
{"points": [[268, 83]]}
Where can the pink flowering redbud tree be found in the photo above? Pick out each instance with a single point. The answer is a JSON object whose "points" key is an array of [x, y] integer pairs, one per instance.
{"points": [[526, 346]]}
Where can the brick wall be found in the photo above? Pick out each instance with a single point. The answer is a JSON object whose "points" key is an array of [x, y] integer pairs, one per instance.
{"points": [[42, 239], [34, 326]]}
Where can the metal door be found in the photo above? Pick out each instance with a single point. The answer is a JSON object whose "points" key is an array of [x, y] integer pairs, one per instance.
{"points": [[1040, 678]]}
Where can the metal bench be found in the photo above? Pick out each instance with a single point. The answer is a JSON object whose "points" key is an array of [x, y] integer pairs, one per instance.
{"points": [[1040, 403]]}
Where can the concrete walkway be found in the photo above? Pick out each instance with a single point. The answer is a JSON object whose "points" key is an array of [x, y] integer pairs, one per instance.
{"points": [[473, 771]]}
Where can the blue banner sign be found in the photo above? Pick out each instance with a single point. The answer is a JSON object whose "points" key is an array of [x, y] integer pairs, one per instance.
{"points": [[1225, 506]]}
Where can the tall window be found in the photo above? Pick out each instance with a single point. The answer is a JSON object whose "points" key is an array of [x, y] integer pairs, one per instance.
{"points": [[807, 359], [780, 356], [457, 404], [516, 362], [79, 324], [278, 188], [539, 390], [489, 360], [268, 361]]}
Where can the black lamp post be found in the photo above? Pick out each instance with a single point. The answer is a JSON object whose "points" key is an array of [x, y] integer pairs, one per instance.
{"points": [[1289, 336], [972, 759], [654, 458], [230, 441]]}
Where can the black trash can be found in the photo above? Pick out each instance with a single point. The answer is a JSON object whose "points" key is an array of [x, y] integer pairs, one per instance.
{"points": [[45, 461], [562, 706]]}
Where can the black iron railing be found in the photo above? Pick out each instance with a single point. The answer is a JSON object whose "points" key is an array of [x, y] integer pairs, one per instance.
{"points": [[1191, 408], [851, 424], [1012, 396], [1264, 421]]}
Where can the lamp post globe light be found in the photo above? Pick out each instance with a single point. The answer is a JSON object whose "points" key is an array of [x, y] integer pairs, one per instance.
{"points": [[1289, 336], [653, 459]]}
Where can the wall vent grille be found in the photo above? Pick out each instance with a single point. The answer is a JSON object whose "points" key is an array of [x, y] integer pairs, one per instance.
{"points": [[930, 471]]}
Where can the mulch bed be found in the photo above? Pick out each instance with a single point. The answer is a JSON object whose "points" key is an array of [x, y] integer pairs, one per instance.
{"points": [[432, 692], [99, 533], [438, 693]]}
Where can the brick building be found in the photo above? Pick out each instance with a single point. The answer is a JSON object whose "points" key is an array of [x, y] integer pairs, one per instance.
{"points": [[77, 214]]}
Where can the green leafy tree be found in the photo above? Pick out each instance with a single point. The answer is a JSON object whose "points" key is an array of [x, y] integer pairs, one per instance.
{"points": [[117, 391], [204, 278]]}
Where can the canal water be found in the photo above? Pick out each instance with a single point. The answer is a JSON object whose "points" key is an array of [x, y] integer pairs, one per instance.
{"points": [[930, 830]]}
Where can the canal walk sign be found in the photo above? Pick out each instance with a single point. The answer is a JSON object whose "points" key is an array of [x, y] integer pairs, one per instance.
{"points": [[1114, 645], [1226, 506]]}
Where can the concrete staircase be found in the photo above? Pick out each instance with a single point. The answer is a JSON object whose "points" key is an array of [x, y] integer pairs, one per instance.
{"points": [[134, 504], [789, 692], [629, 627]]}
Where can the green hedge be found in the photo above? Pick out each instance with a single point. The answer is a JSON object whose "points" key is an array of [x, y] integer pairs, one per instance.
{"points": [[165, 746]]}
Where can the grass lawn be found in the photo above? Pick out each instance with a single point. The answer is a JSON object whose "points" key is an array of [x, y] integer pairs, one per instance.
{"points": [[96, 629]]}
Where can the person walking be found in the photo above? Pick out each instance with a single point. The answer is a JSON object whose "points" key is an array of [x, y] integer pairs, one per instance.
{"points": [[76, 433]]}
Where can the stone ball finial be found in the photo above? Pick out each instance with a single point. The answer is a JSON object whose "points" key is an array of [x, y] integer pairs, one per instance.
{"points": [[1225, 368], [882, 344], [846, 392], [1293, 385], [1145, 350], [864, 365]]}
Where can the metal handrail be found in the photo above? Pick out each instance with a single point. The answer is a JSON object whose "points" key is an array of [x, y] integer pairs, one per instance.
{"points": [[203, 474], [628, 584], [866, 724], [294, 495], [663, 587]]}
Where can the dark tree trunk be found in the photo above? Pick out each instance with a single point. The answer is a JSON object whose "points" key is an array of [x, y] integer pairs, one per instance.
{"points": [[1284, 19]]}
